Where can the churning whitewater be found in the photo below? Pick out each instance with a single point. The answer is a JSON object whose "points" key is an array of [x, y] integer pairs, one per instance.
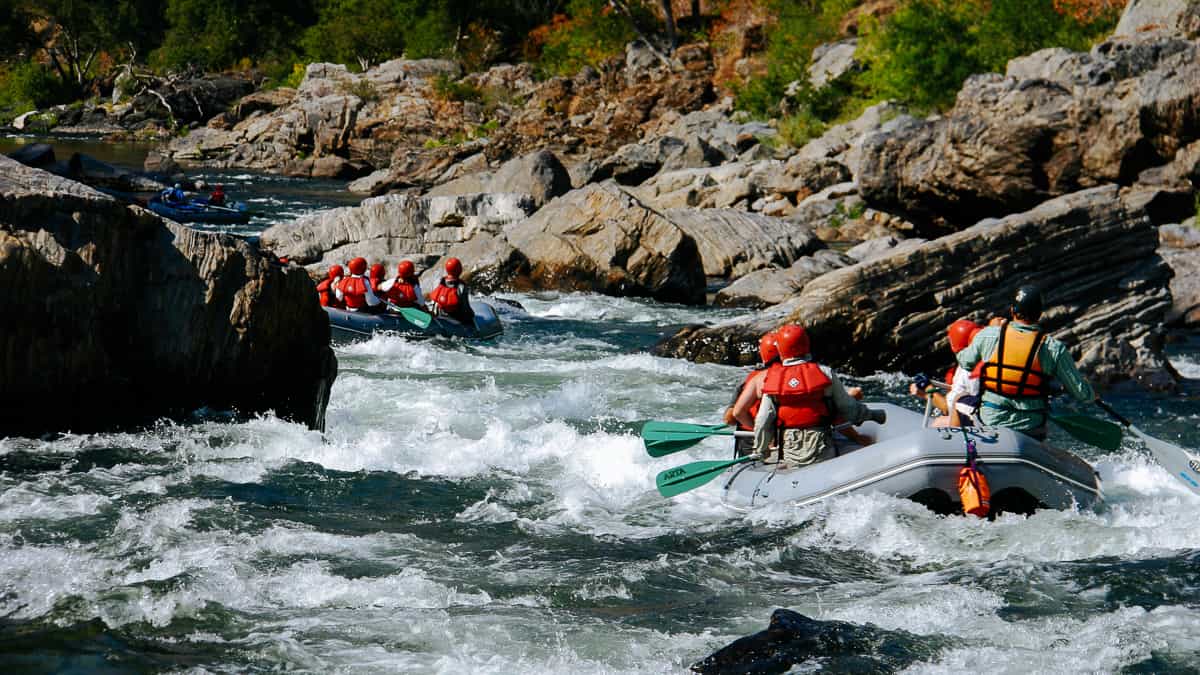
{"points": [[489, 508]]}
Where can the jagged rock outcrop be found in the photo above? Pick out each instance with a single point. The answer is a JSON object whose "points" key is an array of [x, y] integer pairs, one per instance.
{"points": [[1092, 251], [1057, 122], [115, 317], [389, 228], [733, 243], [1171, 15], [1180, 247], [774, 285]]}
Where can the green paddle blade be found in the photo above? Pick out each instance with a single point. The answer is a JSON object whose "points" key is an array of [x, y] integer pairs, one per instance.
{"points": [[415, 316], [1098, 433], [664, 438], [690, 476]]}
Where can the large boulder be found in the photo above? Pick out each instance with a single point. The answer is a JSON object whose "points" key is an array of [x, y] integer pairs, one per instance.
{"points": [[538, 174], [116, 317], [601, 238], [1093, 251], [1058, 122], [1170, 15], [389, 228], [733, 243], [772, 285]]}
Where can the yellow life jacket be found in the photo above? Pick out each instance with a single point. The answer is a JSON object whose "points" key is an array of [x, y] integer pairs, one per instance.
{"points": [[1014, 369]]}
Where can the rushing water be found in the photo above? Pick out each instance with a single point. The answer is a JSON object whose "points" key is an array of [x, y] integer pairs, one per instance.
{"points": [[489, 508]]}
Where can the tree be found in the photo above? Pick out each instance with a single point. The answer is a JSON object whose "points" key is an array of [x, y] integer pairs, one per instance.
{"points": [[356, 31]]}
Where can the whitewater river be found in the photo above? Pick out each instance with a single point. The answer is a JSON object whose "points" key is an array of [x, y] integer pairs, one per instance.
{"points": [[489, 509]]}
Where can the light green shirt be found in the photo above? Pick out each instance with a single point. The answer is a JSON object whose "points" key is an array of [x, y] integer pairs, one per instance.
{"points": [[1024, 414]]}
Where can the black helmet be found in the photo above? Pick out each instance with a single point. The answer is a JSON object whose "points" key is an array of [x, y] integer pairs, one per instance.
{"points": [[1028, 302]]}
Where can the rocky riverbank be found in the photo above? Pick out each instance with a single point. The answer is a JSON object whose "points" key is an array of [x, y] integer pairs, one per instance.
{"points": [[116, 317]]}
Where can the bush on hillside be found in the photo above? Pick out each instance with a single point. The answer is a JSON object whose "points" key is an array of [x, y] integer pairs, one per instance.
{"points": [[928, 48], [589, 33], [25, 86]]}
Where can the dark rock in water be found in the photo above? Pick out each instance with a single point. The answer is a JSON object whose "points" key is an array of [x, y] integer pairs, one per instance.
{"points": [[116, 317], [38, 155], [792, 639], [1094, 253]]}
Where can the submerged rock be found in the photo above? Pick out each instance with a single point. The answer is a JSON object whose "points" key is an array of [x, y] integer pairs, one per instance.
{"points": [[114, 316], [792, 639], [1094, 253]]}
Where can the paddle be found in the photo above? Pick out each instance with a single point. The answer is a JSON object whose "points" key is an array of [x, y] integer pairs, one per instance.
{"points": [[665, 438], [1178, 462], [412, 315], [691, 476], [248, 212]]}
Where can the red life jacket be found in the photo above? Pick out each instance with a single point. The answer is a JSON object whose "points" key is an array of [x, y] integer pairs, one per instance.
{"points": [[324, 295], [402, 293], [799, 392], [950, 375], [446, 296], [354, 292]]}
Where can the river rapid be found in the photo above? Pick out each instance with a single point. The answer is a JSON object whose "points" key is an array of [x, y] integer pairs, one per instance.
{"points": [[488, 508]]}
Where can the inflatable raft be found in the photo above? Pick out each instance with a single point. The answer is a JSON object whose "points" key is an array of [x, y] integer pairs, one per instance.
{"points": [[922, 464], [200, 211], [359, 326]]}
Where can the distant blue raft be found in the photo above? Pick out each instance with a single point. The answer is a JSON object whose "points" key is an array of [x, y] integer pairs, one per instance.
{"points": [[200, 211], [360, 326]]}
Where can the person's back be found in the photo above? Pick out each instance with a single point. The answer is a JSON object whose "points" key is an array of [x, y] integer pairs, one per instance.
{"points": [[1015, 362], [451, 296], [326, 289], [746, 399], [800, 400], [403, 290], [355, 290]]}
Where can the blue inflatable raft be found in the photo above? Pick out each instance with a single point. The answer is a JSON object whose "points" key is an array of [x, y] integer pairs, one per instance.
{"points": [[359, 326]]}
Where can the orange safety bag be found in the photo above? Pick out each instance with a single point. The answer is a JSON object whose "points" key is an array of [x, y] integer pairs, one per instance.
{"points": [[974, 492]]}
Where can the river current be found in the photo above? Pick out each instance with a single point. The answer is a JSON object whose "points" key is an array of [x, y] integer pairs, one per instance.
{"points": [[489, 508]]}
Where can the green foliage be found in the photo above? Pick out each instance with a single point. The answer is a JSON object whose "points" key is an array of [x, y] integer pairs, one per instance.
{"points": [[215, 34], [588, 34], [928, 48], [448, 89], [363, 89], [357, 32], [25, 86], [800, 127]]}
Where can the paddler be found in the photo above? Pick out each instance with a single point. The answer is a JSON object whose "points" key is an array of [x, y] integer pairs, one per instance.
{"points": [[746, 398], [355, 290], [800, 401], [958, 406], [1016, 361], [326, 290], [404, 290], [451, 297]]}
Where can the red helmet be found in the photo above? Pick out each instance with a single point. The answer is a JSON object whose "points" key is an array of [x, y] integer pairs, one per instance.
{"points": [[792, 342], [767, 348], [453, 267], [405, 269], [358, 266], [336, 271], [961, 333], [377, 271]]}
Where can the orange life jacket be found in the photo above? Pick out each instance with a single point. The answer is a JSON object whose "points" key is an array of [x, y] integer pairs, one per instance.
{"points": [[1014, 369], [799, 392], [402, 294], [354, 292], [446, 296]]}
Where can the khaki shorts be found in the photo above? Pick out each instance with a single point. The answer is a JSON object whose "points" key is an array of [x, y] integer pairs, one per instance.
{"points": [[802, 447]]}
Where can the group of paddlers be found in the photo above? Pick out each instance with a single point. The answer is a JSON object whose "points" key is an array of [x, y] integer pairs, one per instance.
{"points": [[1002, 378], [369, 291]]}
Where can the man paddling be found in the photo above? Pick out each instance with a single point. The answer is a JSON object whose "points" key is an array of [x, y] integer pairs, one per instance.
{"points": [[1016, 362], [451, 297], [800, 401], [747, 397]]}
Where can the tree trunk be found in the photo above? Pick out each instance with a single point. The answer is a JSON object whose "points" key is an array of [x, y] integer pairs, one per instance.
{"points": [[669, 19], [695, 9]]}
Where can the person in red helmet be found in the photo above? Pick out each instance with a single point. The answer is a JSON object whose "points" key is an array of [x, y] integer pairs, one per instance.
{"points": [[217, 197], [355, 290], [960, 404], [403, 290], [800, 401], [744, 398], [378, 271], [327, 287], [451, 296]]}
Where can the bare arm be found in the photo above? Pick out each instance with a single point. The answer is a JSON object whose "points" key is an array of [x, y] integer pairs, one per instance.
{"points": [[745, 400]]}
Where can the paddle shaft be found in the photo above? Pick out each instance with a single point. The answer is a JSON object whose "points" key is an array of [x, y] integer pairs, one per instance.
{"points": [[1115, 415]]}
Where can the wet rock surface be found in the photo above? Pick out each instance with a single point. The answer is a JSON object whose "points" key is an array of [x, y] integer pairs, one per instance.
{"points": [[116, 317]]}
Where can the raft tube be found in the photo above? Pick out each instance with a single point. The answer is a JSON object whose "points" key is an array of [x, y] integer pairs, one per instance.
{"points": [[199, 211], [359, 326], [922, 464]]}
